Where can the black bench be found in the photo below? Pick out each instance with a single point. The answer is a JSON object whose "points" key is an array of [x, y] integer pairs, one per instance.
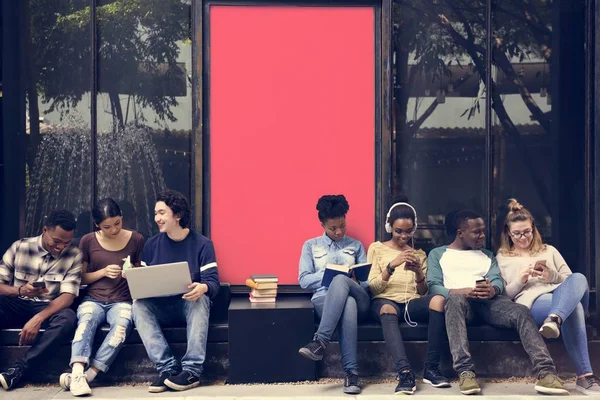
{"points": [[218, 330], [370, 331]]}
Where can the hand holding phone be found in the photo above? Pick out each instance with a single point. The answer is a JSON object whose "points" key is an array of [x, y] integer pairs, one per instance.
{"points": [[33, 289], [539, 265], [483, 289], [542, 271], [538, 268], [412, 265]]}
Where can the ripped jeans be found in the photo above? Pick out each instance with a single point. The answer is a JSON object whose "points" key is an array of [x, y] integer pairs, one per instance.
{"points": [[91, 315]]}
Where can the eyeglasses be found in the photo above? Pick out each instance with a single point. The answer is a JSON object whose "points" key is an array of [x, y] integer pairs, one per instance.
{"points": [[519, 235]]}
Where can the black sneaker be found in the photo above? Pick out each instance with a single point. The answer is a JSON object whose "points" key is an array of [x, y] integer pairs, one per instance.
{"points": [[158, 386], [407, 384], [10, 378], [434, 377], [351, 384], [184, 381], [314, 350]]}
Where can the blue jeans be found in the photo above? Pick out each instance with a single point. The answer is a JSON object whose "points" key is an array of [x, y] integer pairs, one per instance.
{"points": [[570, 302], [91, 315], [150, 314], [342, 306]]}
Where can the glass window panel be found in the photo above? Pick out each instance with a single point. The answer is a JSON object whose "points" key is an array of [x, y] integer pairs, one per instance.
{"points": [[144, 104], [439, 110], [57, 82], [539, 118]]}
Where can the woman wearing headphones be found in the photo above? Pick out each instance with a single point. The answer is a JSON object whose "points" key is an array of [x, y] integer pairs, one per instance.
{"points": [[399, 288]]}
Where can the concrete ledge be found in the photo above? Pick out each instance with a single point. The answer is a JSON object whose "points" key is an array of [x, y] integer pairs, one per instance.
{"points": [[332, 391], [132, 365], [492, 359]]}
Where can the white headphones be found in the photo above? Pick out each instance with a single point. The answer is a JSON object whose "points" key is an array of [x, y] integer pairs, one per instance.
{"points": [[388, 226]]}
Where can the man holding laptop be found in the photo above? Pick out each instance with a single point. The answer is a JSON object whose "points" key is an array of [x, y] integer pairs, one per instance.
{"points": [[176, 243]]}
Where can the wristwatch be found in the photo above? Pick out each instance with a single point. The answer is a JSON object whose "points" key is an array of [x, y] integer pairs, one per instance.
{"points": [[389, 269]]}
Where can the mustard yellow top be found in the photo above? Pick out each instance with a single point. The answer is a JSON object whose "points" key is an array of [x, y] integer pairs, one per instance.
{"points": [[401, 286]]}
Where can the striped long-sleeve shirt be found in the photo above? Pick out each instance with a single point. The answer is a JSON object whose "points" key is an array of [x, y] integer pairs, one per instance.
{"points": [[196, 249]]}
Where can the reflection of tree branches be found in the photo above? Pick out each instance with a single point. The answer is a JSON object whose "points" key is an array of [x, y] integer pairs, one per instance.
{"points": [[478, 54], [414, 126], [132, 34], [504, 64], [529, 15]]}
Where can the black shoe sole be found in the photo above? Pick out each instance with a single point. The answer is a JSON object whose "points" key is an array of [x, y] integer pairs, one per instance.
{"points": [[309, 354], [437, 385], [181, 388]]}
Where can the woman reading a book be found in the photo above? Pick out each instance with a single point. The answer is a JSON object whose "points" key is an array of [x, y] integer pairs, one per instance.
{"points": [[107, 300], [399, 288], [538, 277], [345, 299]]}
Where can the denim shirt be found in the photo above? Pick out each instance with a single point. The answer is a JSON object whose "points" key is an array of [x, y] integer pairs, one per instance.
{"points": [[320, 251]]}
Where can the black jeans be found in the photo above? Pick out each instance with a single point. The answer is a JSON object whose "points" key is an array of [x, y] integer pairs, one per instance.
{"points": [[15, 312], [418, 311]]}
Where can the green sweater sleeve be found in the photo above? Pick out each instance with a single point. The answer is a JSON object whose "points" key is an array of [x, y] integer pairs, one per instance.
{"points": [[494, 274], [435, 276]]}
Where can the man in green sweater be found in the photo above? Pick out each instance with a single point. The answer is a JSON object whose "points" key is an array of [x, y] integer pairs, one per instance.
{"points": [[467, 275]]}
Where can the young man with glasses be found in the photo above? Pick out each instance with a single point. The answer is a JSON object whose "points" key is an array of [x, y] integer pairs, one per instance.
{"points": [[467, 275], [39, 279]]}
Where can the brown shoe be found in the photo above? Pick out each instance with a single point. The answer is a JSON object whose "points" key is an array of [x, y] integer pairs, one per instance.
{"points": [[550, 384]]}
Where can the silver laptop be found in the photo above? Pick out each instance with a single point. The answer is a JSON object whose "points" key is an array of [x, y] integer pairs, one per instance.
{"points": [[159, 280]]}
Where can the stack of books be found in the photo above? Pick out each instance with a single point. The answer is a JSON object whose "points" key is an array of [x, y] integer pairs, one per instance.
{"points": [[264, 288]]}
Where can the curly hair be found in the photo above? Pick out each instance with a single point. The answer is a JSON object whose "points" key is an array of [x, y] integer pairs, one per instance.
{"points": [[332, 206], [518, 213], [63, 218], [178, 203]]}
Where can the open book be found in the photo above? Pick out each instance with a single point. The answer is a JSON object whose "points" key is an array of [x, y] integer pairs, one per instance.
{"points": [[361, 271]]}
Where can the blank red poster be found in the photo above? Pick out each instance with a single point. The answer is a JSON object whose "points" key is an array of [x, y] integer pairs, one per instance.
{"points": [[291, 117]]}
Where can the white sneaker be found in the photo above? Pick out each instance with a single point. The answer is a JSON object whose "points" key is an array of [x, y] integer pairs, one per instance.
{"points": [[550, 329], [79, 385], [65, 380]]}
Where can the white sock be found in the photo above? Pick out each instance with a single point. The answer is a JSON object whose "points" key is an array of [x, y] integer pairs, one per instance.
{"points": [[90, 374], [77, 369]]}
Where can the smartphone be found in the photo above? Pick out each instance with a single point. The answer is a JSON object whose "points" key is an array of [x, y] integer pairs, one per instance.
{"points": [[39, 284], [537, 265], [478, 281]]}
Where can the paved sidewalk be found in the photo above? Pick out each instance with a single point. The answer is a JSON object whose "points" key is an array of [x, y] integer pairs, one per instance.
{"points": [[329, 391]]}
